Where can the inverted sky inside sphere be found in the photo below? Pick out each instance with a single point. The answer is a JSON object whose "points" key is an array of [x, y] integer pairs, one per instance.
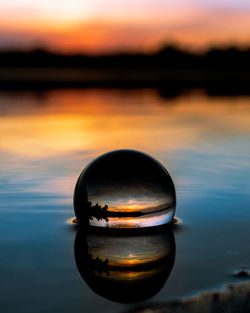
{"points": [[124, 189]]}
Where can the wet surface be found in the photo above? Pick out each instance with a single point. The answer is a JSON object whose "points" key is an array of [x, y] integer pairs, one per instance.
{"points": [[48, 138]]}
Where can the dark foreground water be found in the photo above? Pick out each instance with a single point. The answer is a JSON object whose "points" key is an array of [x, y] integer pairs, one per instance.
{"points": [[45, 141]]}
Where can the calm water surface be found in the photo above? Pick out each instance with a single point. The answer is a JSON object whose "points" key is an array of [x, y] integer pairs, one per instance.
{"points": [[47, 138]]}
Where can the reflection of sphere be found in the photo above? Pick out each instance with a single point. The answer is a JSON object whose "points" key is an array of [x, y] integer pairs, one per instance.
{"points": [[125, 268], [124, 189]]}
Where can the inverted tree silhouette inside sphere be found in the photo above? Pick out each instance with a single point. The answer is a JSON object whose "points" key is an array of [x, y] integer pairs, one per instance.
{"points": [[124, 189]]}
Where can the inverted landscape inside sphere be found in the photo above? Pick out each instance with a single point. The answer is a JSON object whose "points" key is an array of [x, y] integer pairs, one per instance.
{"points": [[124, 189], [125, 268]]}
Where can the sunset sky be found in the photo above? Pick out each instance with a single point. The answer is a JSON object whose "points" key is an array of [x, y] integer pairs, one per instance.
{"points": [[101, 26]]}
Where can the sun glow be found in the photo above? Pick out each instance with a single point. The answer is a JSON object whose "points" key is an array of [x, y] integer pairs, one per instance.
{"points": [[106, 26], [80, 120]]}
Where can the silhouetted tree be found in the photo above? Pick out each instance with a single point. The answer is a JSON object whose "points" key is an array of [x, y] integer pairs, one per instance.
{"points": [[101, 266], [97, 211]]}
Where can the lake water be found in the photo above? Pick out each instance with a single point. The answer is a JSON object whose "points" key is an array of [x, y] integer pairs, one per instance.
{"points": [[47, 138]]}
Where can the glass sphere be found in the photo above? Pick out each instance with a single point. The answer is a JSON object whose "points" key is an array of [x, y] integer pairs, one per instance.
{"points": [[125, 268], [124, 189]]}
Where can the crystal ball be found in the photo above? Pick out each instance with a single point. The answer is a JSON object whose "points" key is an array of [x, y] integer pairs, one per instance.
{"points": [[125, 268], [124, 189]]}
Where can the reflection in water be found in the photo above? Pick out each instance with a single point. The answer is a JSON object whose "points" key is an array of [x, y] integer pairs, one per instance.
{"points": [[125, 268], [124, 189]]}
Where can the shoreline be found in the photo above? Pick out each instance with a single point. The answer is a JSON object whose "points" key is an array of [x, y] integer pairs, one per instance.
{"points": [[118, 75], [169, 83], [232, 298]]}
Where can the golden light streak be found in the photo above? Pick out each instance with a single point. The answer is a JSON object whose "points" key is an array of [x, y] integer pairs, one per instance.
{"points": [[100, 121], [120, 275]]}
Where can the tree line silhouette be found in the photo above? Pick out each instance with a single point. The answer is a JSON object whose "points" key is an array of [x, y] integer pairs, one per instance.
{"points": [[97, 211], [101, 212], [168, 57], [101, 266]]}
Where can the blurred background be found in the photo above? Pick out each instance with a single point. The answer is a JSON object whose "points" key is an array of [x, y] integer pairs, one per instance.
{"points": [[144, 42], [113, 26]]}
